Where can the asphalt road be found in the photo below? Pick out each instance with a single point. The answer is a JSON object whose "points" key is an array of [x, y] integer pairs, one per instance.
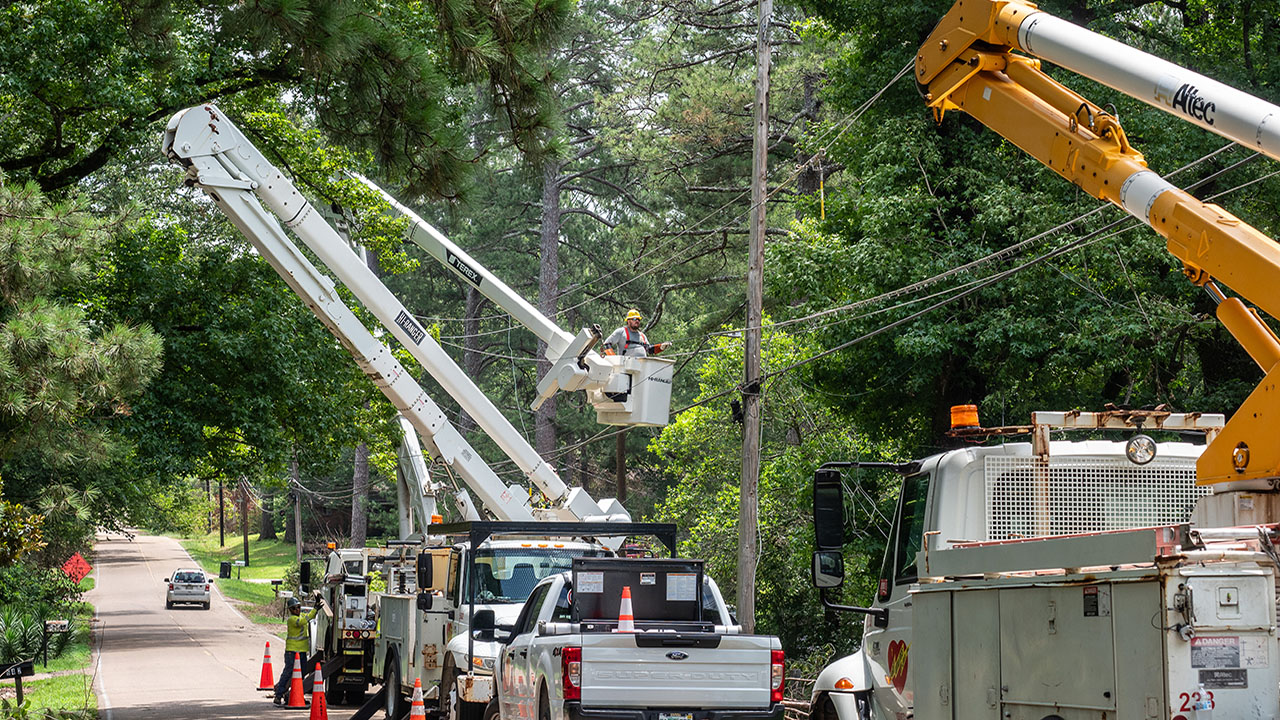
{"points": [[181, 663]]}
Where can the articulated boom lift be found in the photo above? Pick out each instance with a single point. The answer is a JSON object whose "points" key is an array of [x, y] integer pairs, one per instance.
{"points": [[971, 63], [223, 163]]}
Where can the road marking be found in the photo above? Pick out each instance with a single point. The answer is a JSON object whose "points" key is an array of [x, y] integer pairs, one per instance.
{"points": [[97, 669]]}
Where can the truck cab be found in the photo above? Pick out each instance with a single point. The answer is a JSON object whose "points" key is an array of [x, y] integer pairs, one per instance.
{"points": [[979, 495]]}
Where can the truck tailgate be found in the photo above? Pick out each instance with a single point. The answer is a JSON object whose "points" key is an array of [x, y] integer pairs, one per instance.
{"points": [[654, 670]]}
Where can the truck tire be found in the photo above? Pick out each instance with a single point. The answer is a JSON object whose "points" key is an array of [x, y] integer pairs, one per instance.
{"points": [[544, 704], [491, 711], [448, 689], [395, 704]]}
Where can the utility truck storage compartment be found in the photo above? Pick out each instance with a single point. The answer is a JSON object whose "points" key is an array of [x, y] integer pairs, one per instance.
{"points": [[1128, 644]]}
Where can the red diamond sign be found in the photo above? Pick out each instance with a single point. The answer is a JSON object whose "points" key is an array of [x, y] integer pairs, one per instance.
{"points": [[76, 568]]}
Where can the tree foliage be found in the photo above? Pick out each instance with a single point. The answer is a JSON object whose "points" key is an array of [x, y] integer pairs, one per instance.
{"points": [[84, 81]]}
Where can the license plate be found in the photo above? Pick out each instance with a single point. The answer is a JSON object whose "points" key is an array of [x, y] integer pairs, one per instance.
{"points": [[675, 716]]}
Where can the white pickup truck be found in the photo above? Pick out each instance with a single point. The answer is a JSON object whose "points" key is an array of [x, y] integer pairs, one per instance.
{"points": [[566, 659]]}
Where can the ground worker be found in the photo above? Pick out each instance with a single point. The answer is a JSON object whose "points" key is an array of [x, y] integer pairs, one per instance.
{"points": [[630, 341], [297, 643]]}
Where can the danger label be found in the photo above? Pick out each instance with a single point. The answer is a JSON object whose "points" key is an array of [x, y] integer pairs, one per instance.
{"points": [[1215, 652]]}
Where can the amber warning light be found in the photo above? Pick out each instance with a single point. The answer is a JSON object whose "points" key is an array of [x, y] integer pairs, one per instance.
{"points": [[964, 416]]}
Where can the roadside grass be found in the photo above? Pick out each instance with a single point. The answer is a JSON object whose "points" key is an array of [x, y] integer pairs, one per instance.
{"points": [[65, 692], [75, 656], [268, 559]]}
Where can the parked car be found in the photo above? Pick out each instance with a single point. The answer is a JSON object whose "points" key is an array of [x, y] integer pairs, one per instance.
{"points": [[188, 585]]}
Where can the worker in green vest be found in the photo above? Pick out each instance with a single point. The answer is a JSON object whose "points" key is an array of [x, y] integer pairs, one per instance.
{"points": [[297, 644]]}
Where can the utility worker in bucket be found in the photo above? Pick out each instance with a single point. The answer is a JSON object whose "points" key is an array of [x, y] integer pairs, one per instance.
{"points": [[628, 340], [297, 644]]}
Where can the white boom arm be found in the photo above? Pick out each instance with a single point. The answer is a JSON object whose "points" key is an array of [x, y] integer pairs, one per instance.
{"points": [[223, 163], [623, 390]]}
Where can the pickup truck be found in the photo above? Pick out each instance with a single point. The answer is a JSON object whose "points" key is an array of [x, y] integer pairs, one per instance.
{"points": [[566, 658]]}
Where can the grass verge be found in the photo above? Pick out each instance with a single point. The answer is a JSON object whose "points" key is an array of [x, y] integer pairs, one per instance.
{"points": [[64, 692]]}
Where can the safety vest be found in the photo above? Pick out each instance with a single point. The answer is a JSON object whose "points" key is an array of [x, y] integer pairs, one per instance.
{"points": [[641, 340], [298, 632]]}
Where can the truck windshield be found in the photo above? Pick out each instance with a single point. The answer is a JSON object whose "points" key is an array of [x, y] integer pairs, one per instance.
{"points": [[507, 575]]}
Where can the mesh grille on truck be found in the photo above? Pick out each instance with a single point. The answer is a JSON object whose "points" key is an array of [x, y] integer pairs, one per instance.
{"points": [[1027, 498]]}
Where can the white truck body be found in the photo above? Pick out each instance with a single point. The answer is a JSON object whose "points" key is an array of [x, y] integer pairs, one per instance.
{"points": [[434, 646], [559, 664], [1066, 585]]}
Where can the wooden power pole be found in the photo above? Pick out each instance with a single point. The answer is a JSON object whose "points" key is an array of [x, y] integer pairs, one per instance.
{"points": [[244, 518], [748, 501], [222, 517]]}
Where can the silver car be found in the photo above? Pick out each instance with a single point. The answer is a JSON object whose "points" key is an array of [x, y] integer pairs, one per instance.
{"points": [[188, 585]]}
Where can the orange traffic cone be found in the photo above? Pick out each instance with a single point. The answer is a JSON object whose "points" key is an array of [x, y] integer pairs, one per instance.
{"points": [[417, 711], [319, 706], [268, 679], [297, 699], [626, 621]]}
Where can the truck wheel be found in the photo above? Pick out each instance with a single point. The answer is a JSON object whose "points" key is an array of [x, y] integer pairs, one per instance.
{"points": [[491, 711], [544, 705], [391, 681], [448, 686]]}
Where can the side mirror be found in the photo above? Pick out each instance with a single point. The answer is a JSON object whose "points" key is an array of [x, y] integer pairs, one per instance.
{"points": [[166, 579], [828, 569], [483, 624], [424, 566], [424, 601], [828, 510], [304, 576], [504, 634]]}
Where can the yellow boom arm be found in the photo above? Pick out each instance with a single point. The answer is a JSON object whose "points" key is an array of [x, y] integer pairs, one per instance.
{"points": [[969, 64]]}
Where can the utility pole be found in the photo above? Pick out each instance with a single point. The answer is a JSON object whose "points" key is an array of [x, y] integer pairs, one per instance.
{"points": [[222, 518], [244, 518], [748, 500], [620, 468], [297, 508]]}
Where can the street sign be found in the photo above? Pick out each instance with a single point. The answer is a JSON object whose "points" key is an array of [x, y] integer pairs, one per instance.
{"points": [[57, 626], [76, 567], [20, 669]]}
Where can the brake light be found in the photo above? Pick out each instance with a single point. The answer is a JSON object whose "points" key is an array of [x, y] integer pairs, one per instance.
{"points": [[206, 587], [571, 672], [170, 586], [777, 675]]}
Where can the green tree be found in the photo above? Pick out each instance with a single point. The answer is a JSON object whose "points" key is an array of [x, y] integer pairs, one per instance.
{"points": [[83, 82], [66, 382], [69, 381]]}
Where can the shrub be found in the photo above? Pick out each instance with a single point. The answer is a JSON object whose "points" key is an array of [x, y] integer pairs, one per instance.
{"points": [[27, 584], [22, 632]]}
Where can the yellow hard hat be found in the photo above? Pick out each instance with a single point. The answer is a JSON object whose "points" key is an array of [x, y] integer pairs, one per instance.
{"points": [[634, 313]]}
